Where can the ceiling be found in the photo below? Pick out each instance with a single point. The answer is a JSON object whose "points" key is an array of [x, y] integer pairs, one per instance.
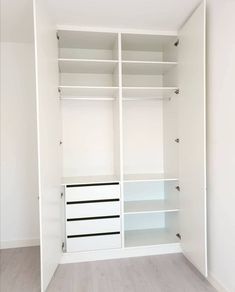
{"points": [[129, 14], [168, 15]]}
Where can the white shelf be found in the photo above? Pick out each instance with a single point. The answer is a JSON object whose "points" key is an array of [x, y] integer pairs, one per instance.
{"points": [[140, 42], [147, 177], [76, 180], [149, 237], [149, 206], [146, 68], [149, 92], [86, 39], [87, 66], [88, 92]]}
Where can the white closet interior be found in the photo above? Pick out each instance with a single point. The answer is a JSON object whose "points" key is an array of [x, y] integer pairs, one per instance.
{"points": [[115, 91], [125, 127]]}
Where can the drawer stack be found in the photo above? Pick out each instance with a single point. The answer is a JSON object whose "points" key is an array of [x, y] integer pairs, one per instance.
{"points": [[92, 217]]}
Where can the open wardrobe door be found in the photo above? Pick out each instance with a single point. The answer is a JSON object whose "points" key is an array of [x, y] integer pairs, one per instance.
{"points": [[49, 152], [192, 146]]}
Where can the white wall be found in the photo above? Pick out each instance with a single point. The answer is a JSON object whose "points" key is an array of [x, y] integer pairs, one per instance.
{"points": [[221, 141], [19, 203]]}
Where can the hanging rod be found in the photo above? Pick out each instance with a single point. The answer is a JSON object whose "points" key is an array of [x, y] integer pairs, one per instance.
{"points": [[89, 98]]}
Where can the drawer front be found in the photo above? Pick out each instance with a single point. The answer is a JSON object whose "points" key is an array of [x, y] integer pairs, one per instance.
{"points": [[86, 193], [85, 210], [97, 242], [92, 226]]}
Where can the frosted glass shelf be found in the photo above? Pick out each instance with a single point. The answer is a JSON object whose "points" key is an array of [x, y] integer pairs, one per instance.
{"points": [[87, 66], [76, 180], [88, 91], [149, 92], [146, 68], [148, 237], [147, 177], [149, 206]]}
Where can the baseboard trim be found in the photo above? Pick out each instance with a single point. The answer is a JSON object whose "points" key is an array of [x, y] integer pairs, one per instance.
{"points": [[216, 284], [19, 243], [77, 257]]}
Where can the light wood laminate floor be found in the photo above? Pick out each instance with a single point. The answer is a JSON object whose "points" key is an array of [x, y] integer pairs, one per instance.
{"points": [[20, 269], [165, 273], [20, 272]]}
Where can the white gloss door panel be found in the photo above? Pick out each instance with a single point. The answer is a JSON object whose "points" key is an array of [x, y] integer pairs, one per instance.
{"points": [[49, 135], [192, 146]]}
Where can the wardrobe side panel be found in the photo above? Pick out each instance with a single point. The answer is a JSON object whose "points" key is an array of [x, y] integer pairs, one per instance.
{"points": [[49, 134], [192, 135]]}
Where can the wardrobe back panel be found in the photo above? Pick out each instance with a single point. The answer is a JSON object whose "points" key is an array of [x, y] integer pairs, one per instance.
{"points": [[88, 138], [143, 136]]}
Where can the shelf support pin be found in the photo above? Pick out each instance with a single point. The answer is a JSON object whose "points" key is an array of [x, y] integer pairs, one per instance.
{"points": [[177, 43], [178, 235]]}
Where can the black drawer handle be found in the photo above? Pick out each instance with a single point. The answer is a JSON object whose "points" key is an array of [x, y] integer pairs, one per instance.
{"points": [[90, 185], [93, 201], [93, 234], [93, 218]]}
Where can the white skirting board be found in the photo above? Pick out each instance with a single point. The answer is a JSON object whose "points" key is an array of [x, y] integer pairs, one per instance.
{"points": [[19, 243], [76, 257], [216, 284]]}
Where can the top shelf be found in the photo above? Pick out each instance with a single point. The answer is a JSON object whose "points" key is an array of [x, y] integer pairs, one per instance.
{"points": [[107, 45], [146, 42], [86, 40]]}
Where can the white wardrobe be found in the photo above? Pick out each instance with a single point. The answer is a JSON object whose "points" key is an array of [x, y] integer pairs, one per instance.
{"points": [[121, 142]]}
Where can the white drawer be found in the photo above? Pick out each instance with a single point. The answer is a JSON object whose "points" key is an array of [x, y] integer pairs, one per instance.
{"points": [[87, 243], [92, 226], [92, 209], [98, 192]]}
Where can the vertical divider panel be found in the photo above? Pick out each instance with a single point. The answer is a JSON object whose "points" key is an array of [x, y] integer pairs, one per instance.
{"points": [[121, 134]]}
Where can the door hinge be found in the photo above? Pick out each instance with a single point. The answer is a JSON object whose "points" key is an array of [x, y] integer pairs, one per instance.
{"points": [[177, 91], [57, 36], [59, 90], [177, 140], [62, 246], [61, 195], [178, 188], [177, 43], [178, 235], [61, 142]]}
